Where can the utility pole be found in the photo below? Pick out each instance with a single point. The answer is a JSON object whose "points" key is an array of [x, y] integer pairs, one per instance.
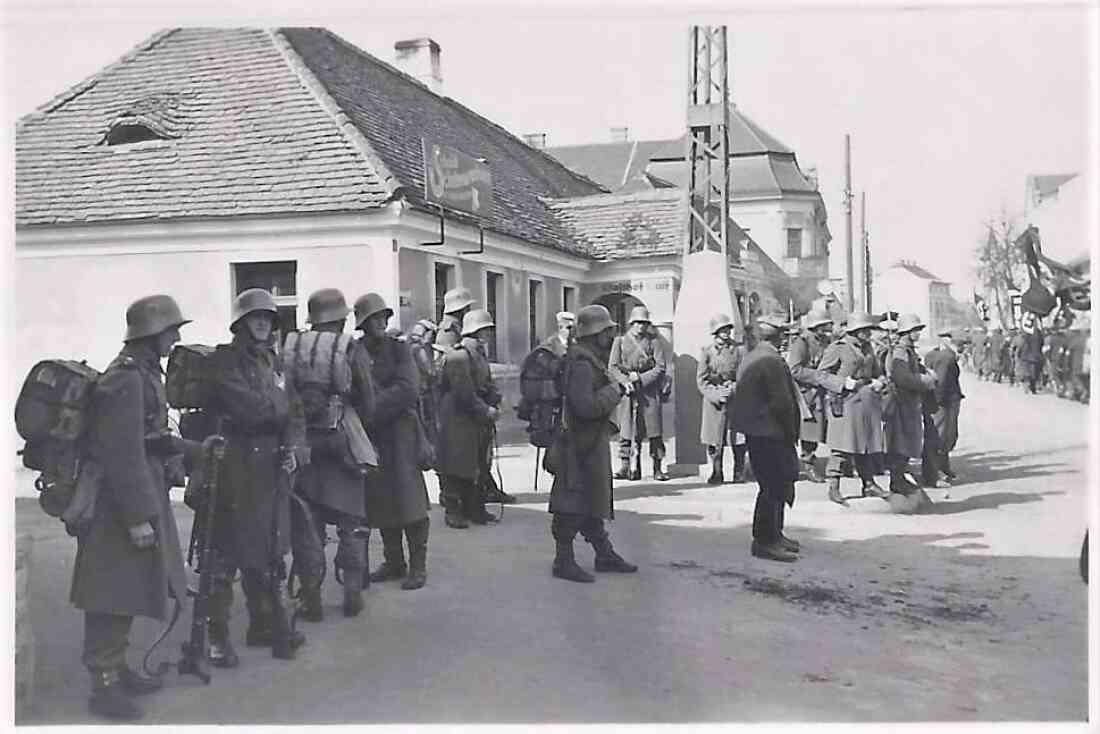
{"points": [[865, 254], [849, 294]]}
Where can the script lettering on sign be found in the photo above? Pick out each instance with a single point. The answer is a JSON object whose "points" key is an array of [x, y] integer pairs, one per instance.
{"points": [[455, 180]]}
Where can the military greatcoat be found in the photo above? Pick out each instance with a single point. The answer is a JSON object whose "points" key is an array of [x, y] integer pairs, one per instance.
{"points": [[396, 496], [859, 429], [466, 394], [716, 377], [331, 480], [590, 400], [909, 383], [111, 575], [645, 356], [261, 414], [803, 357]]}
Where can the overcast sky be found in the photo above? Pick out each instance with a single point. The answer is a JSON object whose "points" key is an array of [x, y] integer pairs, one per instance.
{"points": [[949, 109]]}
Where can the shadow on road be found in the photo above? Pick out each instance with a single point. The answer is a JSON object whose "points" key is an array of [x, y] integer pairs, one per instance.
{"points": [[988, 501], [995, 466]]}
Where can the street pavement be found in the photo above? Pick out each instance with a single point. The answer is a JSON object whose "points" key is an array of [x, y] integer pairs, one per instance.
{"points": [[971, 612]]}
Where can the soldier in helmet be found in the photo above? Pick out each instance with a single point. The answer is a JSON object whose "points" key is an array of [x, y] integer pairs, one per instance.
{"points": [[421, 340], [715, 377], [765, 407], [332, 372], [397, 499], [909, 383], [129, 561], [457, 302], [261, 418], [581, 496], [803, 357], [468, 410], [855, 416], [637, 357]]}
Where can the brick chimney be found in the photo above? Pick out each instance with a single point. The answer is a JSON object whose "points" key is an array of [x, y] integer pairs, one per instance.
{"points": [[419, 58]]}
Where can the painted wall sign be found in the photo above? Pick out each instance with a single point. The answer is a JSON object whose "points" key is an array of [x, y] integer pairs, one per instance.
{"points": [[457, 181], [637, 286]]}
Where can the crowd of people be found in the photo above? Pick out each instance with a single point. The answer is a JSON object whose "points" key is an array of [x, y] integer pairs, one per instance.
{"points": [[319, 428]]}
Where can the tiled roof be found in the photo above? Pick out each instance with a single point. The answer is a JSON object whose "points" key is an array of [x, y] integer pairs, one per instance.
{"points": [[746, 138], [612, 165], [763, 175], [916, 270], [244, 136], [393, 111], [620, 226]]}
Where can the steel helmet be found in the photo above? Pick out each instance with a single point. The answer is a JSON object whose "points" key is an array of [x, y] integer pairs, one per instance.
{"points": [[152, 315], [908, 322], [565, 318], [327, 305], [639, 313], [945, 331], [592, 320], [367, 306], [859, 320], [817, 317], [888, 325], [457, 299], [475, 321], [720, 322], [253, 299]]}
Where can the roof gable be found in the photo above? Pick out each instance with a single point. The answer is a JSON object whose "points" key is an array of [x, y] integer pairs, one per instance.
{"points": [[620, 226], [393, 111], [244, 136]]}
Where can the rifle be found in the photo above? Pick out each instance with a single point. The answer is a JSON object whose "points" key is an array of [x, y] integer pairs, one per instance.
{"points": [[637, 415], [197, 648]]}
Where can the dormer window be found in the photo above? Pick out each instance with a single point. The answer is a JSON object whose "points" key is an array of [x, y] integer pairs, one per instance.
{"points": [[153, 117]]}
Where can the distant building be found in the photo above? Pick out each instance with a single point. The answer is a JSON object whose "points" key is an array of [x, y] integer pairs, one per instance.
{"points": [[1058, 205], [908, 288], [772, 200]]}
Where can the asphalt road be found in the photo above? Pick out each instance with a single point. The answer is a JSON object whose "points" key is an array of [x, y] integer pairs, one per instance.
{"points": [[972, 612]]}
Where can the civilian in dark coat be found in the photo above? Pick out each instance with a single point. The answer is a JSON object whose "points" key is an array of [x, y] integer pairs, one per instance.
{"points": [[765, 407], [397, 500], [905, 421], [334, 481], [1029, 355], [128, 560], [581, 497], [943, 363], [468, 411], [265, 432]]}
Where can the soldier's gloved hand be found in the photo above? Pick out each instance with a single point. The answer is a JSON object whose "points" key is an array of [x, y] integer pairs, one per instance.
{"points": [[635, 377], [142, 536], [877, 384], [290, 462], [849, 384]]}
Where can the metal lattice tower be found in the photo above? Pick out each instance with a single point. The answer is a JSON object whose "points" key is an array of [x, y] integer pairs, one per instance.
{"points": [[707, 152]]}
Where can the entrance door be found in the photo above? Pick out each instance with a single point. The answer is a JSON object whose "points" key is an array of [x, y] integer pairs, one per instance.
{"points": [[620, 305]]}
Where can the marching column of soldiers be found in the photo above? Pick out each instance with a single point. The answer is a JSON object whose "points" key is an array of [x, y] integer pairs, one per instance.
{"points": [[321, 428]]}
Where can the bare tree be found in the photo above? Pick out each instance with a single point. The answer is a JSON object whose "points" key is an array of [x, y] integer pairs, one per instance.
{"points": [[1000, 265]]}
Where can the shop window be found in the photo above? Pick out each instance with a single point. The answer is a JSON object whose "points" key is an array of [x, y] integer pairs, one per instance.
{"points": [[534, 308], [492, 291], [280, 279], [794, 242], [444, 281]]}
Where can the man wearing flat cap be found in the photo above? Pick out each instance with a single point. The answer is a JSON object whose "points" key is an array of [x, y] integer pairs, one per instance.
{"points": [[944, 364], [765, 407]]}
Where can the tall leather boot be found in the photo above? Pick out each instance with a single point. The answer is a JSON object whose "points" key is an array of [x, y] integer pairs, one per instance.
{"points": [[451, 499], [473, 505], [393, 557], [624, 469], [834, 492], [109, 700], [607, 560], [658, 473], [222, 654], [258, 603], [417, 536], [739, 463], [312, 609], [716, 476], [285, 640], [348, 560], [564, 529]]}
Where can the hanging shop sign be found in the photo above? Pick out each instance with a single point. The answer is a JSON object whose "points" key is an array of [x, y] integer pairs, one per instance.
{"points": [[455, 180]]}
